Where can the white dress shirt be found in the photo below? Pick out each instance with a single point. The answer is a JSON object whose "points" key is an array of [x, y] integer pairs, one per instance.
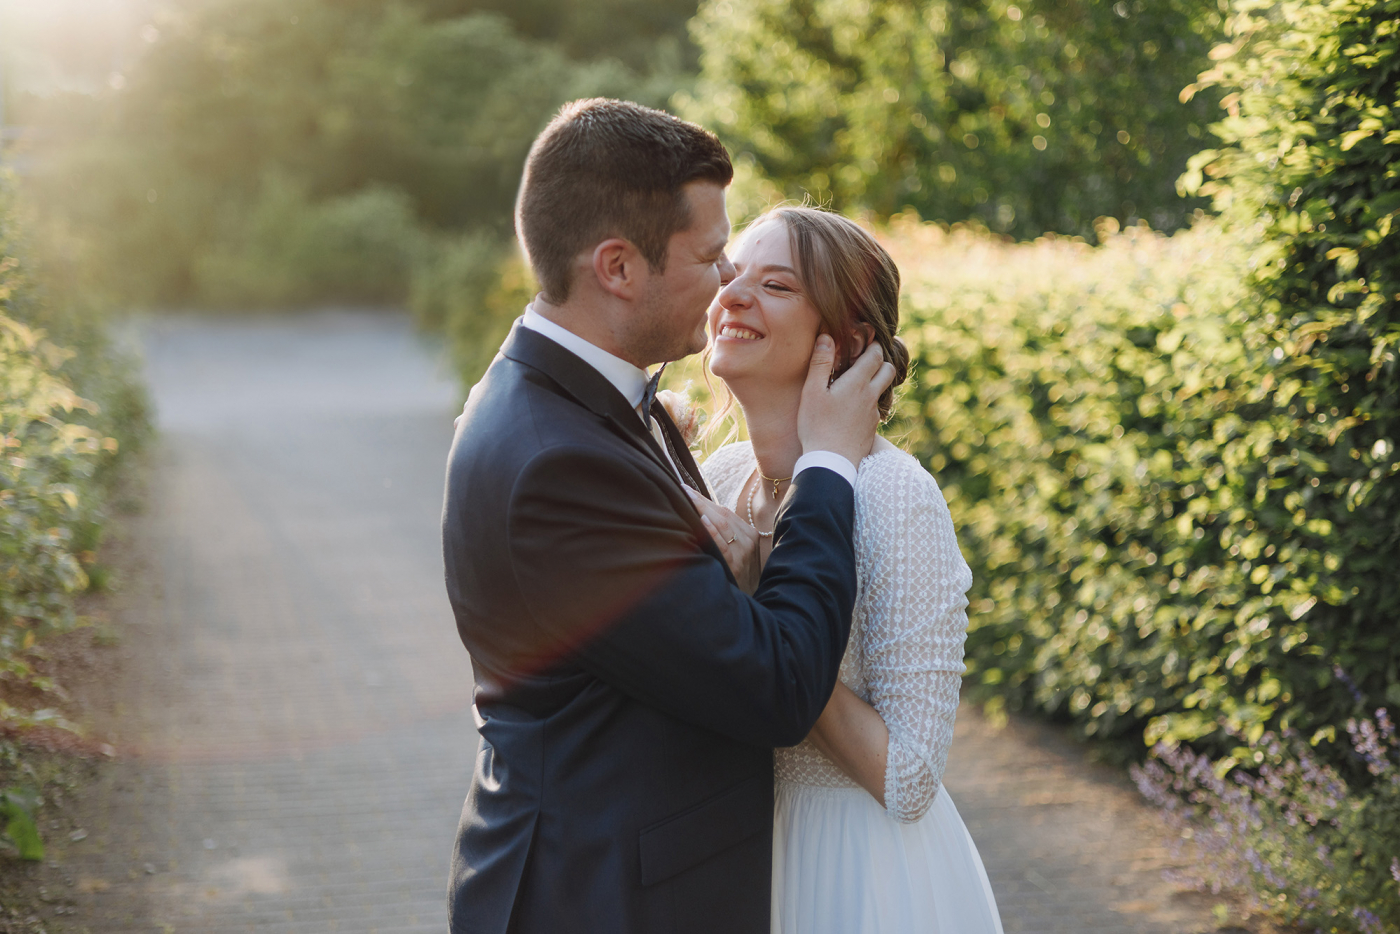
{"points": [[631, 381]]}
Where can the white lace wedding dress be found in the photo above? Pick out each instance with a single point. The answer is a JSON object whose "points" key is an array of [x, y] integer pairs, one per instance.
{"points": [[842, 864]]}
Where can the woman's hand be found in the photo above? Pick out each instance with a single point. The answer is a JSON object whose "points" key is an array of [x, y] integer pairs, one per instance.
{"points": [[737, 540]]}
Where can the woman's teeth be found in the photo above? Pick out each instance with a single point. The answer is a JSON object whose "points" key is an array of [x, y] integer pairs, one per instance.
{"points": [[738, 333]]}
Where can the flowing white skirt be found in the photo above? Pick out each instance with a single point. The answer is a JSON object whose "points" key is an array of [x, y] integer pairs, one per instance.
{"points": [[842, 865]]}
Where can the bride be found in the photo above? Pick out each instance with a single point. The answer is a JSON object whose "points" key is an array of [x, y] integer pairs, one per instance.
{"points": [[865, 838]]}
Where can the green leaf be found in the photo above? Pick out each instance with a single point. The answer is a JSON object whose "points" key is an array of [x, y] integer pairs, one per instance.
{"points": [[16, 807], [1355, 136]]}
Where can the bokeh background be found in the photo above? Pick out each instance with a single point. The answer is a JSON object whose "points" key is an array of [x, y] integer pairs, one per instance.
{"points": [[1151, 286]]}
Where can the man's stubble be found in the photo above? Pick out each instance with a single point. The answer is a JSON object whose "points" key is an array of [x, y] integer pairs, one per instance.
{"points": [[660, 335]]}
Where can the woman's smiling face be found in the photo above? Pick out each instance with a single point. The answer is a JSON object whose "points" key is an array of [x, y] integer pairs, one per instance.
{"points": [[762, 323]]}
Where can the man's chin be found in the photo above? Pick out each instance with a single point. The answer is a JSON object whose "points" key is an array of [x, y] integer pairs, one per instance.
{"points": [[693, 345], [700, 339]]}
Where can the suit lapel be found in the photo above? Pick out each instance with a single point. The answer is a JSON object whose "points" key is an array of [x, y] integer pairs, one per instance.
{"points": [[585, 384], [675, 444]]}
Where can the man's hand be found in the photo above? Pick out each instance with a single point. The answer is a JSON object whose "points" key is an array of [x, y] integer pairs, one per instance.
{"points": [[736, 539], [841, 416]]}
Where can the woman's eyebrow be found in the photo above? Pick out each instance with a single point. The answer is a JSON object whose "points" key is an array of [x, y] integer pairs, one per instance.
{"points": [[775, 268]]}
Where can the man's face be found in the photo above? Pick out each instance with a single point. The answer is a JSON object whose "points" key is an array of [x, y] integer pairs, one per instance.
{"points": [[672, 318]]}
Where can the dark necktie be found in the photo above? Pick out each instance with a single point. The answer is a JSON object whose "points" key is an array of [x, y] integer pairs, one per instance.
{"points": [[649, 395], [659, 432]]}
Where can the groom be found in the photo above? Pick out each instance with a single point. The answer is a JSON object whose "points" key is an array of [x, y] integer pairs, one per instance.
{"points": [[628, 693]]}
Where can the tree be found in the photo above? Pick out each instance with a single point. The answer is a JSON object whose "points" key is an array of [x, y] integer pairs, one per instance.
{"points": [[1032, 117], [285, 151]]}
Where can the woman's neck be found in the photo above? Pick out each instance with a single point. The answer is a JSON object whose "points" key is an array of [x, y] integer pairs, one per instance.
{"points": [[771, 416]]}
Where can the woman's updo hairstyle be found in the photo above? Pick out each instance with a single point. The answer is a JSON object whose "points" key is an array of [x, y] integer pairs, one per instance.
{"points": [[853, 284]]}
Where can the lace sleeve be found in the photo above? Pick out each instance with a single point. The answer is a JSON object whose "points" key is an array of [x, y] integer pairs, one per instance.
{"points": [[916, 585]]}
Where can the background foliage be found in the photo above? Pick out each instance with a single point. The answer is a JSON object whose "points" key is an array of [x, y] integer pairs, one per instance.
{"points": [[1106, 425], [1311, 158], [1082, 409], [1316, 851], [66, 413], [1034, 116], [264, 153]]}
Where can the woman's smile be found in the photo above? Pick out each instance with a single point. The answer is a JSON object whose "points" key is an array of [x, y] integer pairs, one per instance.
{"points": [[763, 311], [738, 332]]}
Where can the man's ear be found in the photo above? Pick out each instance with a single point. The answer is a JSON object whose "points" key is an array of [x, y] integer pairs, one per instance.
{"points": [[617, 267]]}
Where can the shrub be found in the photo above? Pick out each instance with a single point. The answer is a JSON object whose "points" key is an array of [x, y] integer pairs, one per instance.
{"points": [[1311, 160], [1029, 116], [290, 251], [268, 153], [1314, 850], [59, 450], [1089, 412], [471, 289], [1174, 460]]}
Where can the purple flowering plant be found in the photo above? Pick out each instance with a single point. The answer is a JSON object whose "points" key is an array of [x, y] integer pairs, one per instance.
{"points": [[1275, 822]]}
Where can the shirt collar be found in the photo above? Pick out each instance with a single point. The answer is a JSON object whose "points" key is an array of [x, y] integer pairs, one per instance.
{"points": [[629, 380]]}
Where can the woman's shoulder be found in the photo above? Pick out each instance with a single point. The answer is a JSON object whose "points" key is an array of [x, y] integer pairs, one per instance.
{"points": [[902, 515], [893, 480], [730, 456]]}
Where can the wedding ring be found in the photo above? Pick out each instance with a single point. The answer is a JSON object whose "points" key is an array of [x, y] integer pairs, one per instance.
{"points": [[730, 541]]}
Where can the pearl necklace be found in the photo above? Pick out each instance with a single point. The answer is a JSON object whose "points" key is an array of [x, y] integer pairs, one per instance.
{"points": [[775, 496]]}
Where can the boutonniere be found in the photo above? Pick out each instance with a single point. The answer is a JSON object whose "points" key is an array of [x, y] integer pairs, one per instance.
{"points": [[683, 412]]}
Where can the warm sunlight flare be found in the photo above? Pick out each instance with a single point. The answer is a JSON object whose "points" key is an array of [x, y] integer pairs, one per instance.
{"points": [[54, 46]]}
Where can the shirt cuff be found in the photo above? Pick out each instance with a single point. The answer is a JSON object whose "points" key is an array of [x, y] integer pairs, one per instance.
{"points": [[828, 459]]}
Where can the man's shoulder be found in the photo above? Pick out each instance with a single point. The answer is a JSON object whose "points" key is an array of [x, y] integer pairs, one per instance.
{"points": [[514, 400], [518, 420]]}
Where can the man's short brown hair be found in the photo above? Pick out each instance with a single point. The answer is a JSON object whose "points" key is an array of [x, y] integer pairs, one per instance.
{"points": [[607, 168]]}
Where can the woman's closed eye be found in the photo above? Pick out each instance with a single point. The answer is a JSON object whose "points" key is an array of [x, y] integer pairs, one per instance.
{"points": [[778, 287]]}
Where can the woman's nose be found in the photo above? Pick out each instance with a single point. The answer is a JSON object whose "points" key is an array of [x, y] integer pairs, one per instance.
{"points": [[734, 294]]}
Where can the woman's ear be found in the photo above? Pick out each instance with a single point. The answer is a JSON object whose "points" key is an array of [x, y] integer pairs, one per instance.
{"points": [[861, 336]]}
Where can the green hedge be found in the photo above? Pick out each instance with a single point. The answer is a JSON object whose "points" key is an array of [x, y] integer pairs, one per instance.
{"points": [[66, 415], [1311, 159], [1103, 424], [1174, 461]]}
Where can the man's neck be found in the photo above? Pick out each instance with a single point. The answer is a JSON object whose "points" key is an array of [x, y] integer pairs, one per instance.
{"points": [[594, 324]]}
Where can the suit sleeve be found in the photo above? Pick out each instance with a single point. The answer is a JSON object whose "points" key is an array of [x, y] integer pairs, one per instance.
{"points": [[618, 579]]}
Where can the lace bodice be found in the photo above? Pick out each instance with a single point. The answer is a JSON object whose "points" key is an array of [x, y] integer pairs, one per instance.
{"points": [[905, 656]]}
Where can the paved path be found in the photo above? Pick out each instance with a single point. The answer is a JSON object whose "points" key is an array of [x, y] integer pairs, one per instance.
{"points": [[291, 703]]}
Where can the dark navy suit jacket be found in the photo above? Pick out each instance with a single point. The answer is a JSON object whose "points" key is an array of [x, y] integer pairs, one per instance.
{"points": [[628, 693]]}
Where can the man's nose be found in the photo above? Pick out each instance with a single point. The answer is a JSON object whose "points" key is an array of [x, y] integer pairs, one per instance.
{"points": [[726, 270]]}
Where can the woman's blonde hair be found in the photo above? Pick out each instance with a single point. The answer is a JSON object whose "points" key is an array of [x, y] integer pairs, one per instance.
{"points": [[851, 282]]}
